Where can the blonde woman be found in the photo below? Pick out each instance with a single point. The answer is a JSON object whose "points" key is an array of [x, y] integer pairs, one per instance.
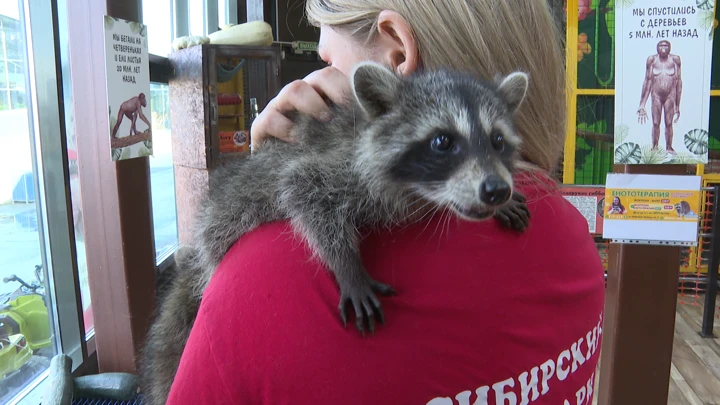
{"points": [[482, 316]]}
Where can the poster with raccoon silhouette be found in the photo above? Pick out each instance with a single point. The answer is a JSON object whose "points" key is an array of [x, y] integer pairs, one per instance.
{"points": [[663, 51], [128, 88]]}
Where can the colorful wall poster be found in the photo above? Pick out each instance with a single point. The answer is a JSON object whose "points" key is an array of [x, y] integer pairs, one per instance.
{"points": [[589, 201], [648, 207], [128, 88], [662, 89]]}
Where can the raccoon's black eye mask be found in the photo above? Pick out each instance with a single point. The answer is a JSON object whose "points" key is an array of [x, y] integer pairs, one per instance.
{"points": [[434, 159]]}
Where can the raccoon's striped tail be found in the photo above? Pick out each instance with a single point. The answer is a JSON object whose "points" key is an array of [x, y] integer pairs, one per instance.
{"points": [[170, 329]]}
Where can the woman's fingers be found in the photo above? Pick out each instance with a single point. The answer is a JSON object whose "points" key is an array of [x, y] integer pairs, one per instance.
{"points": [[330, 83], [308, 96], [299, 96], [269, 123]]}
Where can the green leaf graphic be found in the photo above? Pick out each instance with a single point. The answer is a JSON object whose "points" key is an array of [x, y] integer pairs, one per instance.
{"points": [[144, 152], [109, 22], [705, 4], [652, 156], [610, 19], [696, 141], [684, 158], [706, 19], [628, 153], [621, 133], [135, 27]]}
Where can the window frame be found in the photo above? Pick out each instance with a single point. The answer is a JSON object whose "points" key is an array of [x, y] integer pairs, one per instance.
{"points": [[122, 284], [46, 121], [47, 117]]}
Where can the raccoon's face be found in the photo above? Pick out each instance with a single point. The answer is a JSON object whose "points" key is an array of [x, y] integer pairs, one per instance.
{"points": [[444, 136]]}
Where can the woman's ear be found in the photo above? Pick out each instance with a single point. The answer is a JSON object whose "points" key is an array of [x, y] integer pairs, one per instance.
{"points": [[396, 43]]}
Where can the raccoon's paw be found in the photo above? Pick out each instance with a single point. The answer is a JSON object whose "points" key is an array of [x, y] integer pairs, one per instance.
{"points": [[363, 300], [515, 214]]}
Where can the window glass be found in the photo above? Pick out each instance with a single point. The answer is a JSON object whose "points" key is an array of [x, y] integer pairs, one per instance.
{"points": [[27, 338], [197, 17], [222, 13], [158, 17], [162, 178]]}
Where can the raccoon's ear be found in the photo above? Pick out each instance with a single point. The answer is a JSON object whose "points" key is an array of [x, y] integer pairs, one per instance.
{"points": [[513, 88], [374, 86]]}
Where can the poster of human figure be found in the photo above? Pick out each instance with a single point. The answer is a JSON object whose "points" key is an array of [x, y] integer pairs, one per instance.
{"points": [[128, 88], [662, 92]]}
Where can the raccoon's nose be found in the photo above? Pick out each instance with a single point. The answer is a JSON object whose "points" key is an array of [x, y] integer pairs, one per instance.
{"points": [[494, 191]]}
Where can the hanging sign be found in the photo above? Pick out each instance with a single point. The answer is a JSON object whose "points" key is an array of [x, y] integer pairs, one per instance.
{"points": [[662, 88], [128, 88], [652, 208]]}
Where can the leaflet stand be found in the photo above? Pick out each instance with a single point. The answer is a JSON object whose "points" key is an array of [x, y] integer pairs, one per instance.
{"points": [[639, 318]]}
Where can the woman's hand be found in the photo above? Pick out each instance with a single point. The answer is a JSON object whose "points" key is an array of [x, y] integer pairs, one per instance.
{"points": [[307, 96]]}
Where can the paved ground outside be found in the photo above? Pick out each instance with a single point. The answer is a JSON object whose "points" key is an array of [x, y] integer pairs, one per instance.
{"points": [[20, 243]]}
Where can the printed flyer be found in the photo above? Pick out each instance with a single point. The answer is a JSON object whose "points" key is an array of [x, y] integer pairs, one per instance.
{"points": [[662, 86], [657, 208], [652, 205], [590, 202], [128, 88]]}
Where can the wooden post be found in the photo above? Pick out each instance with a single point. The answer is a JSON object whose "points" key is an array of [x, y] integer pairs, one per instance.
{"points": [[639, 319], [115, 195]]}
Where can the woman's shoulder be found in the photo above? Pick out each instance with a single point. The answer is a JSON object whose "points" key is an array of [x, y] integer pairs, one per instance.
{"points": [[272, 309], [274, 255]]}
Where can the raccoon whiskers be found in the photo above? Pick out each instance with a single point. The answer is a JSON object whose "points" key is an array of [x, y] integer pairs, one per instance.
{"points": [[445, 213], [432, 213], [448, 222], [411, 215]]}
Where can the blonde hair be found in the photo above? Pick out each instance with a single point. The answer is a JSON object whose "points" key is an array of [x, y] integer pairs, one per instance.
{"points": [[487, 38]]}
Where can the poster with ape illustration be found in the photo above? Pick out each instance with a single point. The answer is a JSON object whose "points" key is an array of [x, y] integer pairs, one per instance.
{"points": [[128, 88], [663, 57]]}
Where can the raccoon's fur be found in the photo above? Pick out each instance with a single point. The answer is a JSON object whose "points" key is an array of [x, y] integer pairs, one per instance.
{"points": [[398, 149]]}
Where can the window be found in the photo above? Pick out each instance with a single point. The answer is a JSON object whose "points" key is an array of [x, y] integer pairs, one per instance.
{"points": [[37, 293], [197, 24], [160, 26], [25, 337], [227, 12], [162, 179]]}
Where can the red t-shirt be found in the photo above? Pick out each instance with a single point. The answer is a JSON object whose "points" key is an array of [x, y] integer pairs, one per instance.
{"points": [[482, 316]]}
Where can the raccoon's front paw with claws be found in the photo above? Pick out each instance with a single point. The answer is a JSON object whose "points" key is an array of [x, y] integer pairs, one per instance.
{"points": [[515, 214], [365, 303]]}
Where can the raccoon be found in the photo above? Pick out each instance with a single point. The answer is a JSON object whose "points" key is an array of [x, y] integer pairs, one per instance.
{"points": [[399, 149], [682, 209]]}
